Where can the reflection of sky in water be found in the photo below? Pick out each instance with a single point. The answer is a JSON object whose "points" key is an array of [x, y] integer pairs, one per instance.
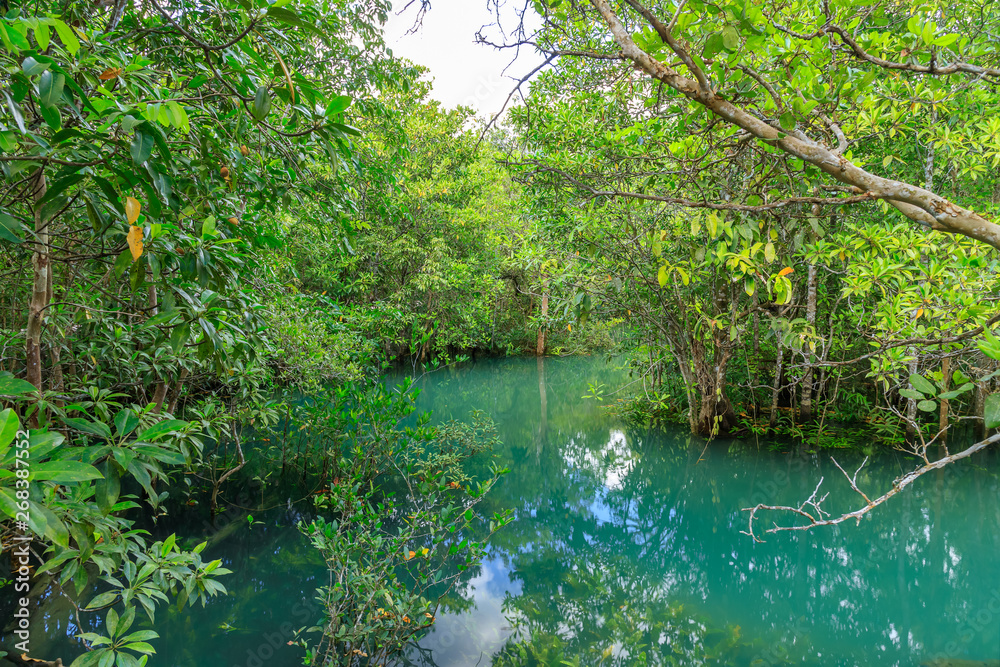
{"points": [[461, 639], [611, 463]]}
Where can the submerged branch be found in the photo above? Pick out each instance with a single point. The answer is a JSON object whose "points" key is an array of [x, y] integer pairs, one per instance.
{"points": [[898, 485]]}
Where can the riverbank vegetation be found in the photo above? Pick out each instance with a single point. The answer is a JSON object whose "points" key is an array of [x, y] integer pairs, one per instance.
{"points": [[219, 223]]}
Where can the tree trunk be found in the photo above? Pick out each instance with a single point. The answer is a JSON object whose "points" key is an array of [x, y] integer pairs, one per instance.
{"points": [[805, 403], [715, 415], [540, 344], [39, 292], [159, 395], [929, 160], [776, 387], [979, 409], [176, 394], [943, 416], [911, 404], [690, 389]]}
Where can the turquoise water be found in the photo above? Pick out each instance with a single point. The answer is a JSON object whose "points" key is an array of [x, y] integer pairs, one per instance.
{"points": [[627, 542]]}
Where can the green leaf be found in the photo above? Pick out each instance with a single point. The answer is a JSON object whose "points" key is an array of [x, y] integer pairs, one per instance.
{"points": [[346, 129], [787, 121], [102, 600], [64, 472], [927, 406], [208, 227], [261, 103], [11, 229], [67, 36], [94, 428], [946, 40], [927, 34], [730, 38], [42, 35], [713, 45], [15, 111], [123, 262], [923, 385], [955, 393], [338, 104], [162, 428], [108, 489], [90, 658], [110, 194], [9, 426], [56, 188], [32, 67], [142, 146], [991, 411], [12, 386], [289, 17], [911, 393], [179, 336], [661, 276], [125, 422], [50, 88], [53, 528]]}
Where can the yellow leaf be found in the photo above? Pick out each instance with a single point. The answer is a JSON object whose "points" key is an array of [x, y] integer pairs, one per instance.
{"points": [[132, 208], [785, 271], [569, 327], [424, 551], [920, 311], [135, 241]]}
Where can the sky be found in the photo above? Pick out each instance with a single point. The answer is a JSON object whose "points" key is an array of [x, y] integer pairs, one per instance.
{"points": [[464, 72]]}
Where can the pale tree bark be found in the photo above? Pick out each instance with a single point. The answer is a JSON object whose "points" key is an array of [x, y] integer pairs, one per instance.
{"points": [[911, 404], [690, 385], [979, 408], [919, 204], [943, 414], [812, 512], [805, 401], [540, 343], [779, 367], [39, 291]]}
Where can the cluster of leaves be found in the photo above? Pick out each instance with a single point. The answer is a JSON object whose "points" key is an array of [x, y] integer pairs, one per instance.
{"points": [[70, 497], [404, 527]]}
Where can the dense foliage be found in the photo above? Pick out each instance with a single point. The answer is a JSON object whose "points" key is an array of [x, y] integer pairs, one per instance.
{"points": [[220, 222]]}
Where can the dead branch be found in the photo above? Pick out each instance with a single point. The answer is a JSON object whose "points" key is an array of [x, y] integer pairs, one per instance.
{"points": [[898, 485]]}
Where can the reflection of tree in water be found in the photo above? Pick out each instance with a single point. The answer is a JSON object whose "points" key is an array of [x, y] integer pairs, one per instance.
{"points": [[622, 539]]}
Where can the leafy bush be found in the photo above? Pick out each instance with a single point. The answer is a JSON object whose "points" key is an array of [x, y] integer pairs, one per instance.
{"points": [[404, 526]]}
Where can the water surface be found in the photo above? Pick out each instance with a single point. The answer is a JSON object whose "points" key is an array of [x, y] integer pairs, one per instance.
{"points": [[628, 542]]}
